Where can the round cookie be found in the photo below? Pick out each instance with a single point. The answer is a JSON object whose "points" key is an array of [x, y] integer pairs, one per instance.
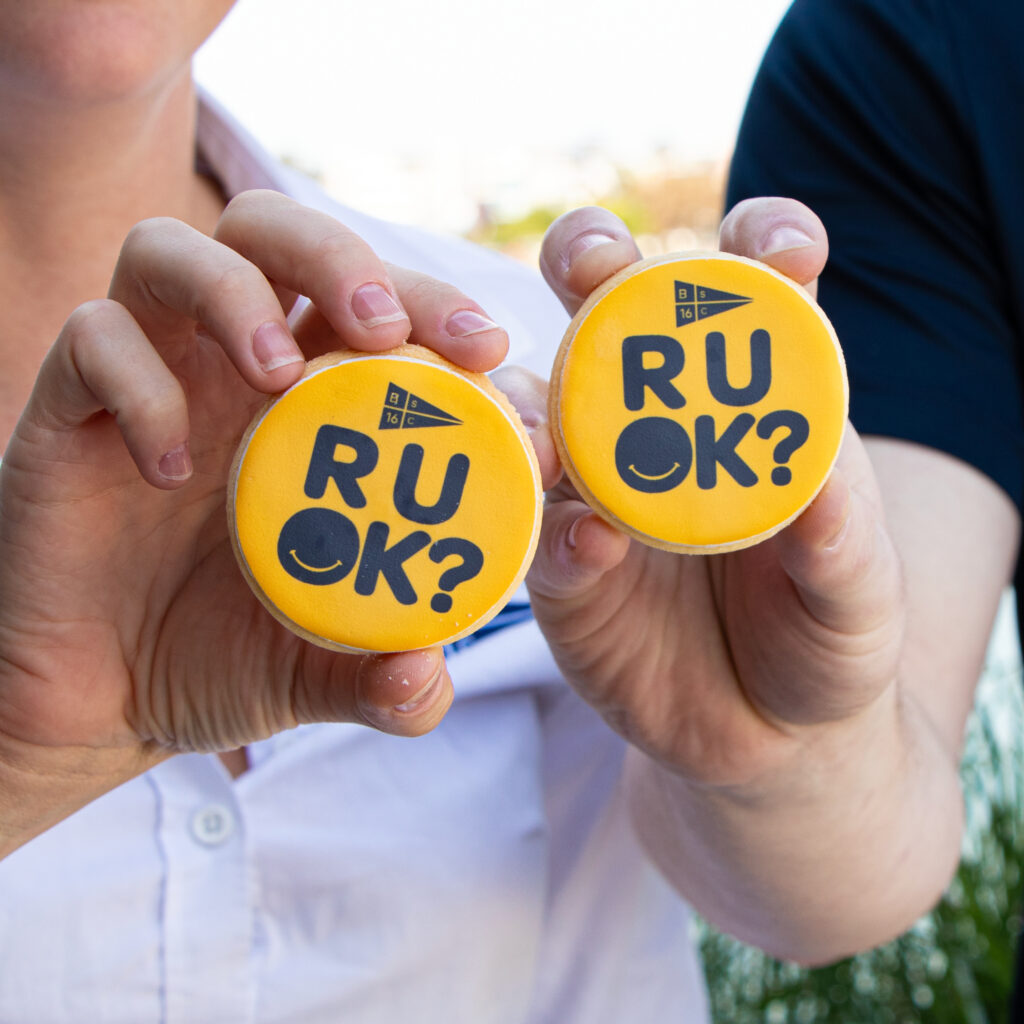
{"points": [[385, 502], [698, 401]]}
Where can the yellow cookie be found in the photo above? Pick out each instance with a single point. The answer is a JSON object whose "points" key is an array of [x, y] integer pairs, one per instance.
{"points": [[698, 401], [385, 502]]}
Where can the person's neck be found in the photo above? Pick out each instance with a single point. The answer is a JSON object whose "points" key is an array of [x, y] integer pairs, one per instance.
{"points": [[72, 183]]}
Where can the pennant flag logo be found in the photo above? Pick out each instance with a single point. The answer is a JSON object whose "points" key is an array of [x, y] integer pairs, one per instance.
{"points": [[404, 411], [695, 302]]}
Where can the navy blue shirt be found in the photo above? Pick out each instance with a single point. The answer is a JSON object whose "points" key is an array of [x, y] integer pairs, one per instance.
{"points": [[900, 123]]}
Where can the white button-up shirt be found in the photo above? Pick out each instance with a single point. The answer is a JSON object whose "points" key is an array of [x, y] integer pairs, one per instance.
{"points": [[485, 873]]}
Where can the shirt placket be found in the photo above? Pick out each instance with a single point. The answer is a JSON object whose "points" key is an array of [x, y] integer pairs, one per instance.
{"points": [[207, 913]]}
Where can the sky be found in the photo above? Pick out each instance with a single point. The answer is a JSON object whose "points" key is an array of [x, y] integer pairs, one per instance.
{"points": [[480, 93]]}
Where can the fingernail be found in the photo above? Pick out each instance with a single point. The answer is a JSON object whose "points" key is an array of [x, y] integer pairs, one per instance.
{"points": [[374, 305], [176, 464], [421, 699], [532, 419], [839, 536], [784, 239], [570, 537], [274, 347], [464, 322], [591, 240], [835, 498]]}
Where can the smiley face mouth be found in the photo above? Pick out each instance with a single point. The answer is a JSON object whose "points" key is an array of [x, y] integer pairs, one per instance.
{"points": [[313, 568], [655, 476], [653, 442], [322, 534]]}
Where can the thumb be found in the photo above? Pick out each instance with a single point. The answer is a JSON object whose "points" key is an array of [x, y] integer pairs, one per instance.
{"points": [[404, 694]]}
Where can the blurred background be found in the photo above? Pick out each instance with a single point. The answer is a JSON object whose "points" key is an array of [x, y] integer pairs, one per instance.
{"points": [[485, 120], [488, 122]]}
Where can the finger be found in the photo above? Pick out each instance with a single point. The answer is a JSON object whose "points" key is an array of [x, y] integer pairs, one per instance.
{"points": [[441, 316], [581, 250], [448, 321], [576, 548], [102, 361], [528, 393], [170, 276], [783, 233], [839, 554], [313, 254], [405, 694]]}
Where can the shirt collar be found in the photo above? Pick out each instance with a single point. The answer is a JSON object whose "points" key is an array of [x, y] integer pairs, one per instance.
{"points": [[229, 153]]}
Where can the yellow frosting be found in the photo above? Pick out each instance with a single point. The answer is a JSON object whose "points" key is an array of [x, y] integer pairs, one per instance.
{"points": [[385, 502], [699, 401]]}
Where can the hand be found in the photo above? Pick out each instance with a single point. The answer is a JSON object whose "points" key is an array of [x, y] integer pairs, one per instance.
{"points": [[721, 667], [796, 709], [127, 632]]}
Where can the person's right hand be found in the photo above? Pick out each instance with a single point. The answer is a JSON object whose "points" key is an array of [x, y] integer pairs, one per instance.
{"points": [[127, 632]]}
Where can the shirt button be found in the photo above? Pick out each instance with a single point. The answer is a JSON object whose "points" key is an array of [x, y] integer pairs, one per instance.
{"points": [[213, 825]]}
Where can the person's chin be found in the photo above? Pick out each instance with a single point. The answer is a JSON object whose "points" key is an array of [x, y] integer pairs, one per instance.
{"points": [[86, 52]]}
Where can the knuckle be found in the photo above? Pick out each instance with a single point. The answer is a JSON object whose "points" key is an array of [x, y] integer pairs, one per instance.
{"points": [[338, 249], [155, 401], [336, 254], [242, 208], [87, 328], [428, 291], [249, 200], [233, 286], [146, 235], [87, 317]]}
